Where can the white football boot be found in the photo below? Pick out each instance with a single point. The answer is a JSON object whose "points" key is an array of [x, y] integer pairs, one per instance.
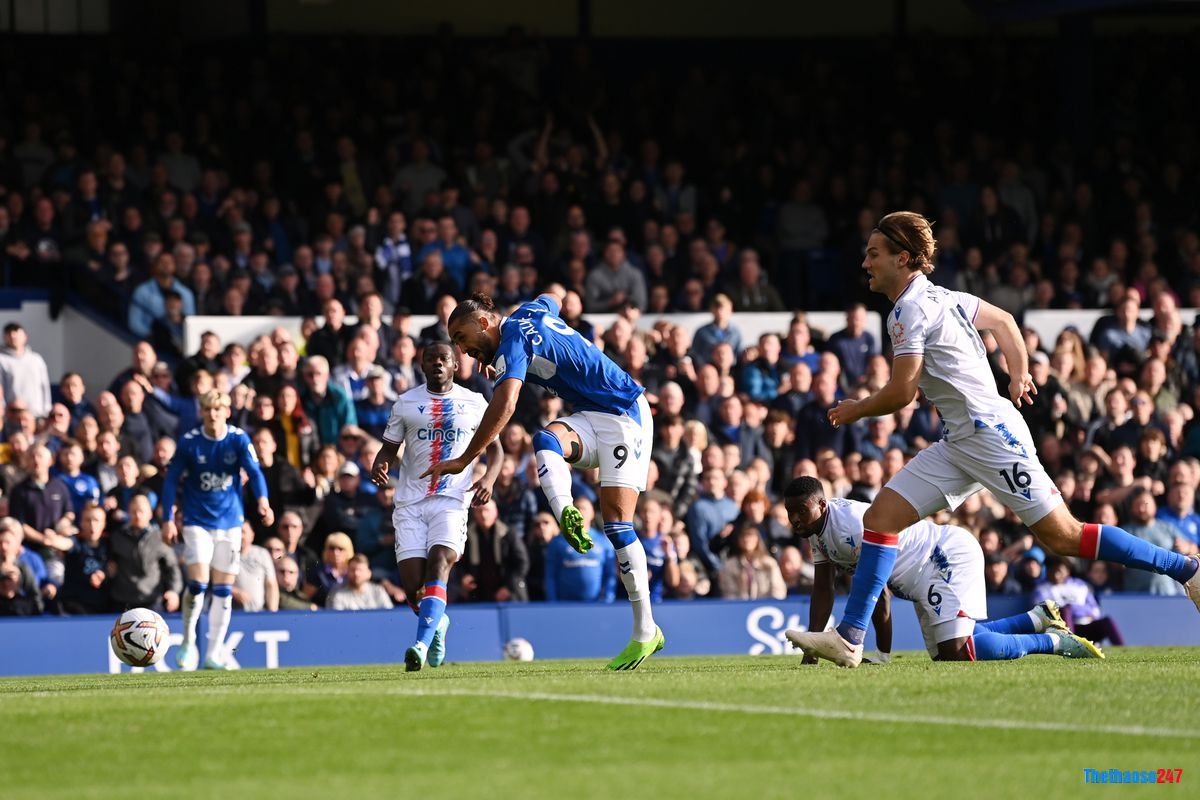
{"points": [[828, 645]]}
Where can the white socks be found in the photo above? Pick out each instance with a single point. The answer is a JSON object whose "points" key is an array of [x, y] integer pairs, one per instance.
{"points": [[554, 474], [631, 562], [193, 604], [218, 621]]}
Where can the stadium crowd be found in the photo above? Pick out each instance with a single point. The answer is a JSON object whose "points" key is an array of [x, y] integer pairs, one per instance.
{"points": [[323, 181]]}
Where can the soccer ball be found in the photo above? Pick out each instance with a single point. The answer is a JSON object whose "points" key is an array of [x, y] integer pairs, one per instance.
{"points": [[140, 637], [518, 650]]}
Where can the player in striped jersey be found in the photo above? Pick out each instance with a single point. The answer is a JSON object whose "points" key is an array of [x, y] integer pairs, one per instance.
{"points": [[433, 422]]}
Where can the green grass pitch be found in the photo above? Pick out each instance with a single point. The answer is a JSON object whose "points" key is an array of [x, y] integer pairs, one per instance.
{"points": [[729, 727]]}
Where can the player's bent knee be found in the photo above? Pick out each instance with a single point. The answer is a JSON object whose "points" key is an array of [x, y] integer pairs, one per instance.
{"points": [[222, 590], [1060, 533], [545, 440], [954, 650]]}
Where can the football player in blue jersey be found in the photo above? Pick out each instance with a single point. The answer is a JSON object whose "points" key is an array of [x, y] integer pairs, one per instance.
{"points": [[610, 428], [210, 460]]}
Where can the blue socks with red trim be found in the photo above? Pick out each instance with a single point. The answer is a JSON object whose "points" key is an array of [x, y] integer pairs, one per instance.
{"points": [[1109, 543], [429, 613], [875, 564]]}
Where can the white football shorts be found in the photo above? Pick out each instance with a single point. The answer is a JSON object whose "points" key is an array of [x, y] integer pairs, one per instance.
{"points": [[619, 445], [947, 589], [1000, 458], [434, 520], [221, 549]]}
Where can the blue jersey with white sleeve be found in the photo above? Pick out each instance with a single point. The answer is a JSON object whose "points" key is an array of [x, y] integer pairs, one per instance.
{"points": [[212, 480], [537, 345]]}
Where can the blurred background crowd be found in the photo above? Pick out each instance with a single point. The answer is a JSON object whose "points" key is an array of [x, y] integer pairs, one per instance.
{"points": [[332, 178]]}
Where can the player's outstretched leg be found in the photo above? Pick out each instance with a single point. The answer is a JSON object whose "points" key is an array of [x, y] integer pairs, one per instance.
{"points": [[1042, 617], [554, 474], [647, 638], [187, 654], [1063, 534], [990, 646], [219, 612]]}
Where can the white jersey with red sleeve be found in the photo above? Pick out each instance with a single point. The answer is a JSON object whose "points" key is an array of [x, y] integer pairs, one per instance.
{"points": [[939, 324], [433, 428]]}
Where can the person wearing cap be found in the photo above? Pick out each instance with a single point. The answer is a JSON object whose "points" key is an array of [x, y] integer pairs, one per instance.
{"points": [[289, 291], [23, 373], [1049, 406], [148, 302], [344, 507]]}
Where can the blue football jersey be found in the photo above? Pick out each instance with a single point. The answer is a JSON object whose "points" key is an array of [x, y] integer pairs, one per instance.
{"points": [[536, 345], [212, 480]]}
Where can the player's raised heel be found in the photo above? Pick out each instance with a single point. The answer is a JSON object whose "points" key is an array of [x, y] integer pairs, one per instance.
{"points": [[187, 657], [1072, 645], [437, 650], [573, 531], [1052, 618], [414, 658], [828, 645], [636, 652]]}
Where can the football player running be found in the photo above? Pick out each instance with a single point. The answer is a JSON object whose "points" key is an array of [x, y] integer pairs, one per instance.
{"points": [[610, 428], [433, 423], [210, 460], [985, 443]]}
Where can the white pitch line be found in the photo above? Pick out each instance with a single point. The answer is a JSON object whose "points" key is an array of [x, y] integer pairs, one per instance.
{"points": [[643, 702]]}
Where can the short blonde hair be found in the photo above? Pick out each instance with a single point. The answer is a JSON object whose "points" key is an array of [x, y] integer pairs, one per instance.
{"points": [[214, 397], [341, 540]]}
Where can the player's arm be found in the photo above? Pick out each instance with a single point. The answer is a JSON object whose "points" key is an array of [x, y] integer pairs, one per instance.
{"points": [[258, 482], [388, 452], [483, 486], [497, 415], [895, 395], [881, 618], [821, 605], [170, 485], [1012, 344]]}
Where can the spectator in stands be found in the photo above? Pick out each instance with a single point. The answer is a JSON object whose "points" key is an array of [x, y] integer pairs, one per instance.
{"points": [[854, 345], [85, 565], [614, 282], [285, 483], [711, 515], [1142, 524], [749, 572], [1122, 329], [330, 572], [720, 331], [358, 592], [81, 487], [328, 407], [1077, 603], [345, 506], [1180, 512], [751, 292], [148, 302], [996, 576], [41, 502], [429, 284], [589, 577], [144, 572], [761, 377], [23, 373], [291, 594], [330, 340], [495, 563]]}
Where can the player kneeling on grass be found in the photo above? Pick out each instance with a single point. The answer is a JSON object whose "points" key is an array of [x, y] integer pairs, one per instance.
{"points": [[210, 460], [434, 422], [610, 428], [940, 569]]}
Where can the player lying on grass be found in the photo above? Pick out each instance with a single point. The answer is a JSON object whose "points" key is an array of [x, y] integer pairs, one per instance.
{"points": [[937, 348], [210, 461], [940, 569], [610, 427], [433, 423]]}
